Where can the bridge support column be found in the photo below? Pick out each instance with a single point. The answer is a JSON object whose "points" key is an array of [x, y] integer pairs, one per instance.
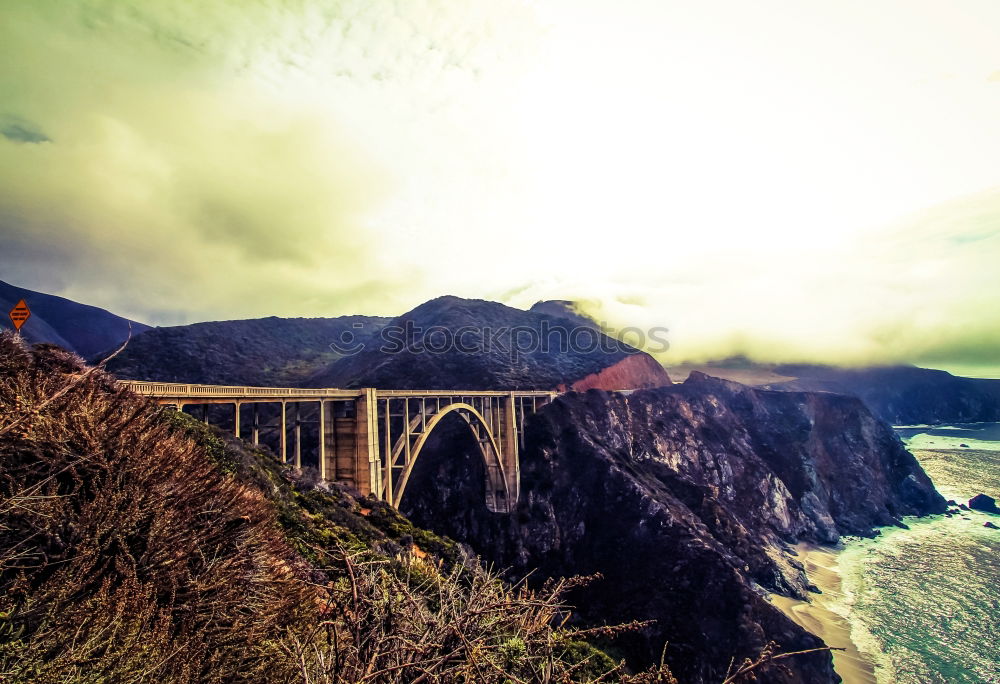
{"points": [[256, 424], [509, 447], [322, 440], [283, 423], [385, 486], [236, 419], [298, 436], [367, 462]]}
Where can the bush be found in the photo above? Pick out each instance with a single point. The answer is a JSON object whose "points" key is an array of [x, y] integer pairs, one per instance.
{"points": [[125, 553]]}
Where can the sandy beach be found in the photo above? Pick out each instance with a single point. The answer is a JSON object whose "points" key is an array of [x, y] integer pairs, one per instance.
{"points": [[817, 617]]}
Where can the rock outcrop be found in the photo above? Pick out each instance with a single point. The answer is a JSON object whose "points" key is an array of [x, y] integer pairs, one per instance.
{"points": [[684, 499], [984, 503], [638, 371]]}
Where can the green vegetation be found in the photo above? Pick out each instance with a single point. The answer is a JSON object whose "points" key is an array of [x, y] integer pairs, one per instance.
{"points": [[137, 544]]}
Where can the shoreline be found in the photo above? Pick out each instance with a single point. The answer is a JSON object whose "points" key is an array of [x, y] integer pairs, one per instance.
{"points": [[817, 616]]}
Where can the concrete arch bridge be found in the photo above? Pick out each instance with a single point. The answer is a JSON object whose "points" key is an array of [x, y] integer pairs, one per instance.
{"points": [[368, 438]]}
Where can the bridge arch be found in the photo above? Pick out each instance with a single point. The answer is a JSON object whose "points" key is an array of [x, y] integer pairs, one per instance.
{"points": [[498, 486]]}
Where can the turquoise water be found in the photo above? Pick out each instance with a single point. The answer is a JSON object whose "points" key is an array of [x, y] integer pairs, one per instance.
{"points": [[925, 602], [975, 436]]}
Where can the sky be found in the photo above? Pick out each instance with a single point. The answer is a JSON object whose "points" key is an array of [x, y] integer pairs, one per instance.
{"points": [[789, 180]]}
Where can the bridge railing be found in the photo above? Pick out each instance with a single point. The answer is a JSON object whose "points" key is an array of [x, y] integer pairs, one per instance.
{"points": [[192, 390], [463, 393], [179, 389]]}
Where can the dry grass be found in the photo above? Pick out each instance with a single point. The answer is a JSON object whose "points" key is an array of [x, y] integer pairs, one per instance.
{"points": [[404, 621], [124, 553]]}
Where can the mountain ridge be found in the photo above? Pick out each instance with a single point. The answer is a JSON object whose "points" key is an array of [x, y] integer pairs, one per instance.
{"points": [[81, 328], [453, 343], [262, 351]]}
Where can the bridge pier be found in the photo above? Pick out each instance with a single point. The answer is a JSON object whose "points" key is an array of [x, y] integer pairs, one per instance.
{"points": [[367, 464], [283, 438], [298, 436], [509, 442], [322, 440], [385, 488]]}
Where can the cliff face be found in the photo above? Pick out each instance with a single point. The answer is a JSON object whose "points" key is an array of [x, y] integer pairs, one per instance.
{"points": [[454, 343], [639, 371], [683, 499]]}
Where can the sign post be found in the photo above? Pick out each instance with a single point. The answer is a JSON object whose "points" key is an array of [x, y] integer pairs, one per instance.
{"points": [[19, 314]]}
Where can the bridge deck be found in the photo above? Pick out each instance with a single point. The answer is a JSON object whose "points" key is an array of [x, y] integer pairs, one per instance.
{"points": [[194, 392]]}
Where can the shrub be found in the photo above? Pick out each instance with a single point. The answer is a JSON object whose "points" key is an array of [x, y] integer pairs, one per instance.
{"points": [[125, 554]]}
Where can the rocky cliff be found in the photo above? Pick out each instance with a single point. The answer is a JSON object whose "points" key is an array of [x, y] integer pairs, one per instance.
{"points": [[637, 371], [454, 343], [684, 498]]}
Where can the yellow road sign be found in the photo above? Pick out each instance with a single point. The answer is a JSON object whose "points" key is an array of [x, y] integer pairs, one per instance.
{"points": [[19, 314]]}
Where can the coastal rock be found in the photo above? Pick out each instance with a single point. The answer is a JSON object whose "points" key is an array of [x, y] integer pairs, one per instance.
{"points": [[984, 503], [682, 498]]}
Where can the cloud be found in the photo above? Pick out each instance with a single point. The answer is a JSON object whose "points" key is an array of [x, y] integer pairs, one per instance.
{"points": [[218, 159], [921, 290], [162, 190], [188, 160], [21, 131]]}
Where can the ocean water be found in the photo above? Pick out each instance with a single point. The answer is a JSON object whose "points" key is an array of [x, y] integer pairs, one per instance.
{"points": [[924, 603]]}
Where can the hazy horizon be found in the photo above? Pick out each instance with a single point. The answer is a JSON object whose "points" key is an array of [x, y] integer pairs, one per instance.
{"points": [[809, 181], [684, 366]]}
